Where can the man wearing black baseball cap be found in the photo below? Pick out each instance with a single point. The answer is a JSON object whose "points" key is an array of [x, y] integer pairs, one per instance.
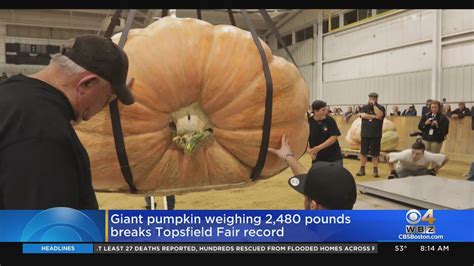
{"points": [[323, 133], [103, 57], [42, 162], [326, 186]]}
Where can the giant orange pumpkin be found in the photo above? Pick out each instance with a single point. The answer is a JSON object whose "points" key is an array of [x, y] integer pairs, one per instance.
{"points": [[389, 141], [198, 116]]}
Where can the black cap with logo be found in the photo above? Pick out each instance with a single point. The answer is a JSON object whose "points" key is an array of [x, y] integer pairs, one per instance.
{"points": [[328, 184], [103, 57], [318, 104]]}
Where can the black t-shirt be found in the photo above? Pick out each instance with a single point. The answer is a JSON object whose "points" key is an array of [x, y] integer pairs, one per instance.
{"points": [[319, 132], [463, 113], [371, 128], [472, 112], [42, 162]]}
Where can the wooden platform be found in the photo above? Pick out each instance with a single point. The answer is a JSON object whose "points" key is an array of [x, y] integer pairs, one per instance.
{"points": [[458, 145], [352, 153], [430, 192]]}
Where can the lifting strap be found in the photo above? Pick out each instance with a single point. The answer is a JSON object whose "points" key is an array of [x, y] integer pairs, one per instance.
{"points": [[113, 106], [231, 17], [271, 25], [267, 118], [113, 22], [277, 34]]}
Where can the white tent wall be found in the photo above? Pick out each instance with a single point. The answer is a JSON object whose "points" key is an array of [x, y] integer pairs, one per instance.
{"points": [[407, 57]]}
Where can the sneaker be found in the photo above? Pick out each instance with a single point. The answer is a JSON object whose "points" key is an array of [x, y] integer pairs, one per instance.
{"points": [[376, 172], [148, 207], [393, 175], [361, 172], [148, 203]]}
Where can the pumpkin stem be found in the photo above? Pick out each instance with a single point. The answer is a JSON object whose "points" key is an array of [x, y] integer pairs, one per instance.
{"points": [[190, 127]]}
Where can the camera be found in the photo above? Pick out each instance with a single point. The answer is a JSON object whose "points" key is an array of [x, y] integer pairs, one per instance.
{"points": [[416, 133]]}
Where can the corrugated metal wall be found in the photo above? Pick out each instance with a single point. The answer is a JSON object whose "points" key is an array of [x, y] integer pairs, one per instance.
{"points": [[400, 74], [303, 53], [3, 30], [406, 59], [458, 83], [308, 74], [457, 20], [407, 27], [397, 88]]}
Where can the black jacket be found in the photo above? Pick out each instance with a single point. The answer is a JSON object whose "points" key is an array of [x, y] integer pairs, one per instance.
{"points": [[439, 132], [42, 162]]}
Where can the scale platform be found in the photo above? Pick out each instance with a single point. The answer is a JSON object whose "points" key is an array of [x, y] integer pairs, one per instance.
{"points": [[430, 192]]}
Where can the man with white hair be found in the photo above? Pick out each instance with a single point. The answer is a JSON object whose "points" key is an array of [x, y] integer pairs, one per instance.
{"points": [[42, 162]]}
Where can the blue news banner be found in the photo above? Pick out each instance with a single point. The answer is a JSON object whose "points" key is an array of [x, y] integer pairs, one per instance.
{"points": [[57, 228]]}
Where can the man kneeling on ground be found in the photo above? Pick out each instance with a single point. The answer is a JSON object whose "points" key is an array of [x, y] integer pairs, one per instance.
{"points": [[415, 161], [326, 186]]}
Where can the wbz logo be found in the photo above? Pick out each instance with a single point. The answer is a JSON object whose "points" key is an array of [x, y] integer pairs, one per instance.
{"points": [[413, 217]]}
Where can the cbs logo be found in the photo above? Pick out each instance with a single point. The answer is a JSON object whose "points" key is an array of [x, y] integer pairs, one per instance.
{"points": [[61, 225], [414, 216]]}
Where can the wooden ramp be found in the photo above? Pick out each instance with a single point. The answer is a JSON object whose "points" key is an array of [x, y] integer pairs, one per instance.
{"points": [[352, 153], [430, 192]]}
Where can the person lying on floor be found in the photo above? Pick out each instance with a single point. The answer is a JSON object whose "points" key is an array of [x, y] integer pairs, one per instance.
{"points": [[414, 161]]}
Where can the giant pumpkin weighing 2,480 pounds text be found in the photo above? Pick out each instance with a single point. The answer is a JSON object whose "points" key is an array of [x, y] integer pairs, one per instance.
{"points": [[198, 116]]}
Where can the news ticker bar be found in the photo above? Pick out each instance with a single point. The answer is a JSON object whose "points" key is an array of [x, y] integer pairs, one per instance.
{"points": [[381, 248], [236, 248], [202, 248]]}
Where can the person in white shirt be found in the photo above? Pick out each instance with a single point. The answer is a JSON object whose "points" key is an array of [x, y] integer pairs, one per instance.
{"points": [[415, 161]]}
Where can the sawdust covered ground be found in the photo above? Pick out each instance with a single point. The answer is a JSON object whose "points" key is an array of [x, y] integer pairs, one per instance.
{"points": [[273, 193]]}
